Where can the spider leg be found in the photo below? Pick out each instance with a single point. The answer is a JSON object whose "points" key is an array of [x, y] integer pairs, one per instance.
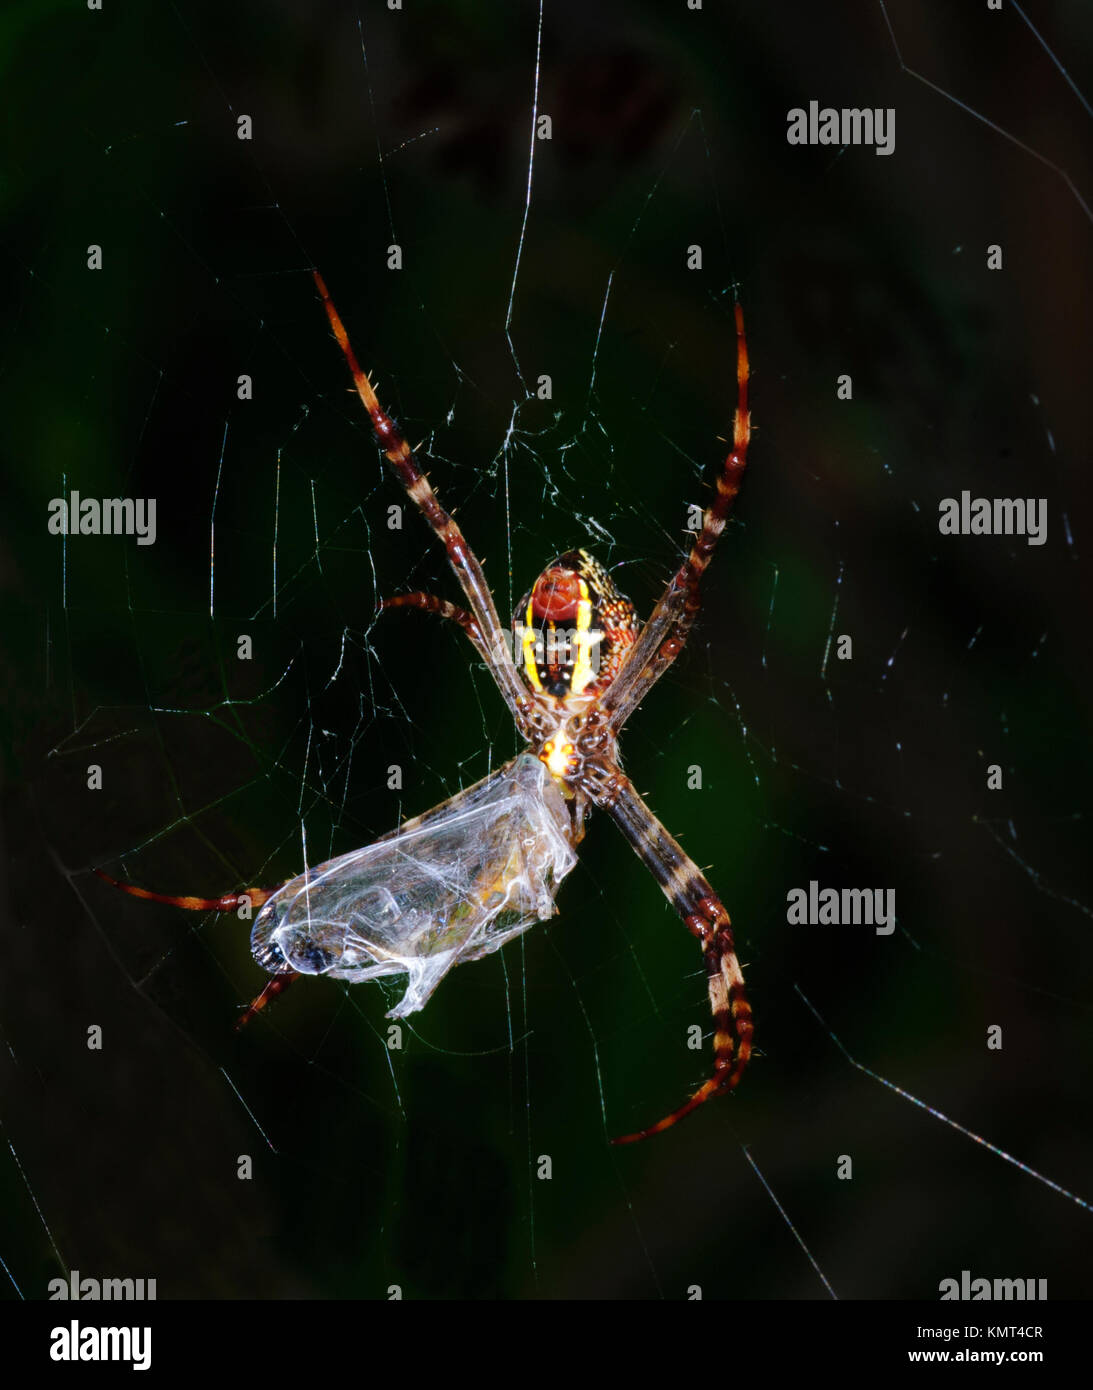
{"points": [[690, 893], [255, 896], [664, 634], [460, 556], [277, 985], [429, 603]]}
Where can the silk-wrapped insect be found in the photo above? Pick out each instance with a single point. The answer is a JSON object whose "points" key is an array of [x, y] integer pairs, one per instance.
{"points": [[451, 886]]}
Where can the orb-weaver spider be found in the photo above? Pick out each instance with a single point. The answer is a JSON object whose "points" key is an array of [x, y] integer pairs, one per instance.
{"points": [[456, 883]]}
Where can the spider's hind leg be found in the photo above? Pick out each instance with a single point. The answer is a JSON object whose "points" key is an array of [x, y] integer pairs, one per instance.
{"points": [[731, 1014], [690, 893]]}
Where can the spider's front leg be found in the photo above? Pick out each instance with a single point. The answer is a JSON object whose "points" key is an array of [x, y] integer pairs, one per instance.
{"points": [[429, 603], [465, 564], [665, 633], [690, 893]]}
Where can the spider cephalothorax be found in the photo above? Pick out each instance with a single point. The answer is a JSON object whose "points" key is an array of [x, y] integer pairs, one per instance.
{"points": [[457, 882]]}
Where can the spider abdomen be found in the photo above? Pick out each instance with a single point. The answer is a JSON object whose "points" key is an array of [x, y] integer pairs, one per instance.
{"points": [[573, 628]]}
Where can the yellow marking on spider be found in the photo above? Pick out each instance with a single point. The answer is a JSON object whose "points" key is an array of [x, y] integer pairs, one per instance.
{"points": [[528, 644], [557, 757], [585, 638]]}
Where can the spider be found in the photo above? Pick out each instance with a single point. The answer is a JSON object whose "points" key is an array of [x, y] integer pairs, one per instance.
{"points": [[456, 883]]}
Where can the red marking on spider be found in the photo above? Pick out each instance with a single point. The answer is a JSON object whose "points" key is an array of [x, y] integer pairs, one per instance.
{"points": [[556, 595]]}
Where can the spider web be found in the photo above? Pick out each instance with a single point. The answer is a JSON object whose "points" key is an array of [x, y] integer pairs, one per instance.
{"points": [[422, 1167]]}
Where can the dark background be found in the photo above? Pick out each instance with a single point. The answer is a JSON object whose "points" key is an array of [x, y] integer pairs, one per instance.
{"points": [[418, 1167]]}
